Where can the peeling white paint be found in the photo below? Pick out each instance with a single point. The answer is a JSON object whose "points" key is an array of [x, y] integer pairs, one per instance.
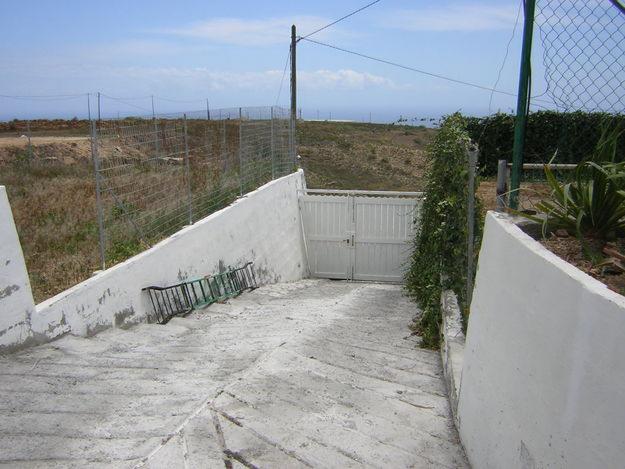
{"points": [[16, 299], [258, 227]]}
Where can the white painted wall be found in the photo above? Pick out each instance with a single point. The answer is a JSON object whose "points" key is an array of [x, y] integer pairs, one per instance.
{"points": [[543, 381], [16, 299], [263, 226]]}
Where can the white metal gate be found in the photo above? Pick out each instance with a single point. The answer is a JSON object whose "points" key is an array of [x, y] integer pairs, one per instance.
{"points": [[359, 235]]}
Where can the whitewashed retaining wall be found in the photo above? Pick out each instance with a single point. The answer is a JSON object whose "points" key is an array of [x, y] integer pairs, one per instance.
{"points": [[263, 226], [16, 299], [543, 381]]}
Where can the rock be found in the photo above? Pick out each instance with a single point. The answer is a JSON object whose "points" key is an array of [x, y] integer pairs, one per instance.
{"points": [[562, 233]]}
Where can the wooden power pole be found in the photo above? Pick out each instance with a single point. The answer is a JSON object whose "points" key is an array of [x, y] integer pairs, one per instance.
{"points": [[293, 75], [293, 91]]}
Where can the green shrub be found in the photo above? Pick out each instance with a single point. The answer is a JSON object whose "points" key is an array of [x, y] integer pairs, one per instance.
{"points": [[440, 248], [571, 134], [592, 203], [590, 206]]}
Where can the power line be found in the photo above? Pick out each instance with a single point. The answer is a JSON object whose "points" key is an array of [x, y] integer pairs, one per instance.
{"points": [[179, 100], [286, 65], [126, 103], [505, 58], [341, 18], [128, 98], [51, 97], [412, 69]]}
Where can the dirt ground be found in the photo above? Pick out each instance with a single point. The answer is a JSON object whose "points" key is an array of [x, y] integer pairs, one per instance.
{"points": [[52, 193], [363, 156], [61, 149]]}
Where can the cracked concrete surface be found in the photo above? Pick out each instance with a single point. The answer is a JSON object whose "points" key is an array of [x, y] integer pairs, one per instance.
{"points": [[308, 374]]}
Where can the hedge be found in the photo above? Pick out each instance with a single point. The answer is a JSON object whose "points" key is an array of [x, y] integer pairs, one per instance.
{"points": [[572, 134]]}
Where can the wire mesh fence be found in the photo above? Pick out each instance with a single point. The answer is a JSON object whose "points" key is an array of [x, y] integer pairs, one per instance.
{"points": [[156, 175], [582, 48]]}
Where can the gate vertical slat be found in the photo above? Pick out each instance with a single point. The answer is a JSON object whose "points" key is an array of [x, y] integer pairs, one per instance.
{"points": [[373, 238]]}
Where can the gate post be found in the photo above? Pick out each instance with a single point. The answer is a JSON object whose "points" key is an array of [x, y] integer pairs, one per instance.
{"points": [[472, 164], [502, 184]]}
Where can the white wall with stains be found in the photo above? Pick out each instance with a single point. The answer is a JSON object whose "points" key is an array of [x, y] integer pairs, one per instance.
{"points": [[16, 299], [263, 226], [543, 379]]}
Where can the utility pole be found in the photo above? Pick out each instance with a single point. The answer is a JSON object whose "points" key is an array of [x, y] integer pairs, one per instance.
{"points": [[89, 106], [522, 104], [208, 112], [293, 89], [98, 106]]}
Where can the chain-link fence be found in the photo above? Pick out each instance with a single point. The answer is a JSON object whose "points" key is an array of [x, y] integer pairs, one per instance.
{"points": [[581, 111], [155, 175]]}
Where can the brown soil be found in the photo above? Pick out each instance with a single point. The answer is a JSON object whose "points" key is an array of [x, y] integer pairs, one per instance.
{"points": [[530, 194], [64, 150], [570, 249], [363, 156]]}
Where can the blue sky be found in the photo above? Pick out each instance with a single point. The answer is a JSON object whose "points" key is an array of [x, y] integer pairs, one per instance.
{"points": [[233, 53]]}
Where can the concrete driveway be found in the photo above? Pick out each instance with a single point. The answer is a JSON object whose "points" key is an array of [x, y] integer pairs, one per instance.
{"points": [[309, 374]]}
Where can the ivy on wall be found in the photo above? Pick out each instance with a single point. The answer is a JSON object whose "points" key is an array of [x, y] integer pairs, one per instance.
{"points": [[439, 258]]}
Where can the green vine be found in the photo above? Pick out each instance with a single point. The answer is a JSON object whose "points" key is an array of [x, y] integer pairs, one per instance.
{"points": [[440, 247]]}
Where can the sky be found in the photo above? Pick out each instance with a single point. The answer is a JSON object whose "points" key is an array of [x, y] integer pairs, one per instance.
{"points": [[234, 54]]}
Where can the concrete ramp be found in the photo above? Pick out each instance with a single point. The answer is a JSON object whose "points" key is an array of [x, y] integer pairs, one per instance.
{"points": [[314, 373]]}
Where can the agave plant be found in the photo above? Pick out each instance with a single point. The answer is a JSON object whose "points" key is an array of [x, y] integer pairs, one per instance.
{"points": [[592, 205]]}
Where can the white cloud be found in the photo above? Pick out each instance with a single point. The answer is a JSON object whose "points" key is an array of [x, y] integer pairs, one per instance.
{"points": [[250, 32], [257, 80], [454, 17], [342, 79]]}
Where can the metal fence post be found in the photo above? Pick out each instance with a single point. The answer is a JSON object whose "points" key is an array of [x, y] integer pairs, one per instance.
{"points": [[156, 142], [502, 184], [224, 148], [472, 164], [240, 153], [30, 145], [98, 189], [273, 148], [522, 108], [188, 170]]}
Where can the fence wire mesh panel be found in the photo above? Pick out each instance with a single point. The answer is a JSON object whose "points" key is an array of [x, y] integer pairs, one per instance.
{"points": [[156, 175], [582, 48]]}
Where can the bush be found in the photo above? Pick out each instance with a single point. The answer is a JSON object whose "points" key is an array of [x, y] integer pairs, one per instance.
{"points": [[592, 204], [572, 135], [439, 258]]}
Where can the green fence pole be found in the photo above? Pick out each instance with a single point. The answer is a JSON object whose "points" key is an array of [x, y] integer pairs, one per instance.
{"points": [[522, 103]]}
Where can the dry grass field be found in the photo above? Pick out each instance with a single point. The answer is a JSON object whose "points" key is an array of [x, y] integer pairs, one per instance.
{"points": [[52, 194]]}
